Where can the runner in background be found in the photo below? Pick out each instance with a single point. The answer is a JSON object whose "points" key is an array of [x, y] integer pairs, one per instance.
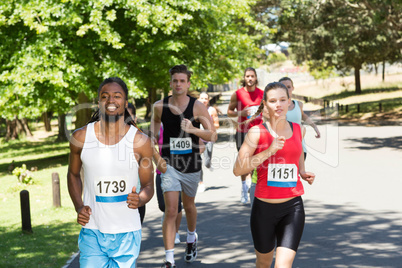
{"points": [[243, 104], [295, 113], [161, 168], [207, 156], [133, 112]]}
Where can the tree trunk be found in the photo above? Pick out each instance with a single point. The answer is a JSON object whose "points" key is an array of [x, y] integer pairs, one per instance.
{"points": [[14, 129], [150, 101], [357, 79], [82, 115], [62, 136], [11, 133], [25, 127], [383, 71], [47, 116], [376, 68]]}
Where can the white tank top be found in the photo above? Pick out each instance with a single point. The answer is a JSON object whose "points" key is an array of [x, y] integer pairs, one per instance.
{"points": [[110, 172]]}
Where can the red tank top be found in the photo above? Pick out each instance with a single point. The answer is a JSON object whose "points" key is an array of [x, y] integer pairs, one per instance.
{"points": [[251, 99], [278, 176]]}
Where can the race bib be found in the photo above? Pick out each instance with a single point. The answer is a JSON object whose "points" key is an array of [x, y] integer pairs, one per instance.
{"points": [[282, 175], [181, 145], [111, 189], [253, 110]]}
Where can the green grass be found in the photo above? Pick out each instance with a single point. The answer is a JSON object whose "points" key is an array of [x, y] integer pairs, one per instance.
{"points": [[349, 93], [55, 231], [387, 105]]}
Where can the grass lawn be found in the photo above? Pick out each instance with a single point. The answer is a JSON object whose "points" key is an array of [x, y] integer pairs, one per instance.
{"points": [[374, 91], [55, 231]]}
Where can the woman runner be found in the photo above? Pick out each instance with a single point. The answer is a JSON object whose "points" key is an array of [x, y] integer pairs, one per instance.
{"points": [[275, 149]]}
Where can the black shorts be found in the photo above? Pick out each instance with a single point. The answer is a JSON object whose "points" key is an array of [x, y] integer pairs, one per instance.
{"points": [[240, 136], [283, 223]]}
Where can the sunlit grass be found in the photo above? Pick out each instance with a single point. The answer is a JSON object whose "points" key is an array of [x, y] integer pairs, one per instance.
{"points": [[55, 231]]}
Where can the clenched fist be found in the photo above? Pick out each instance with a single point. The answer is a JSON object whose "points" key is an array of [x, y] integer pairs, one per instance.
{"points": [[277, 144], [133, 199]]}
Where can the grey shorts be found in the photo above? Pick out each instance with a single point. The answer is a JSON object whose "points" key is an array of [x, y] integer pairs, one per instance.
{"points": [[176, 181]]}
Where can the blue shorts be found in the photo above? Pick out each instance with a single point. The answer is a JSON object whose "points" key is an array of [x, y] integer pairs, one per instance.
{"points": [[99, 250]]}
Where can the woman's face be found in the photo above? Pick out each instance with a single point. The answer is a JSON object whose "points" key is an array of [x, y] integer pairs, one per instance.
{"points": [[289, 85], [277, 102], [204, 99]]}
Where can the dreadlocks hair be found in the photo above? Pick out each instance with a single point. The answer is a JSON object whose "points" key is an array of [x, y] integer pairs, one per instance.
{"points": [[243, 81], [269, 87], [128, 119]]}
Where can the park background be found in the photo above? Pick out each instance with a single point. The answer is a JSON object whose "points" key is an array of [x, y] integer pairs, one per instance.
{"points": [[344, 58]]}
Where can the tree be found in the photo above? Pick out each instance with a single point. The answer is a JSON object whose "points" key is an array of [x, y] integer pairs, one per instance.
{"points": [[343, 34], [54, 53]]}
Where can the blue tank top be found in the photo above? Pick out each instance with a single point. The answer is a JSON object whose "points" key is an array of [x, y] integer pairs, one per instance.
{"points": [[295, 116], [180, 149]]}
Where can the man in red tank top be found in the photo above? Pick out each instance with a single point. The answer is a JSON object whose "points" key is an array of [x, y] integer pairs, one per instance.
{"points": [[243, 105]]}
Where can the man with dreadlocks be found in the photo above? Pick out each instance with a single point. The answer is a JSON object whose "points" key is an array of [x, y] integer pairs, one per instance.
{"points": [[114, 156]]}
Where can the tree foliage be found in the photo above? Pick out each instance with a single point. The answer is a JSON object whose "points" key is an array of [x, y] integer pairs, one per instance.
{"points": [[339, 33], [52, 50]]}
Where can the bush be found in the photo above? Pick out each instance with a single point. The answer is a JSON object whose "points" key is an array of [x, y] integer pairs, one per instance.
{"points": [[23, 175], [276, 57]]}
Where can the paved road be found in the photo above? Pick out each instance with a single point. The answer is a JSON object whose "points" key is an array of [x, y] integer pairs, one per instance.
{"points": [[353, 209]]}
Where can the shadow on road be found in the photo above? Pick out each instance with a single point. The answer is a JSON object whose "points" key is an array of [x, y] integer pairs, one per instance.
{"points": [[349, 237], [224, 235], [377, 143], [333, 237]]}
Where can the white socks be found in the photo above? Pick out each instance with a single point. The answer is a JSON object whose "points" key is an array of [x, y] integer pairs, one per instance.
{"points": [[170, 255], [190, 236]]}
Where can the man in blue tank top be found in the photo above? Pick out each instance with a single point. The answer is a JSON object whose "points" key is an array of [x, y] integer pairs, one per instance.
{"points": [[181, 116], [114, 156]]}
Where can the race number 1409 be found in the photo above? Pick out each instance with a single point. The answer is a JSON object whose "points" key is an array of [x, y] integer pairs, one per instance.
{"points": [[180, 145]]}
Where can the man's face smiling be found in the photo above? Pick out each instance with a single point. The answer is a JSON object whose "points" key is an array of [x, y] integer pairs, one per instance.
{"points": [[179, 84], [112, 102]]}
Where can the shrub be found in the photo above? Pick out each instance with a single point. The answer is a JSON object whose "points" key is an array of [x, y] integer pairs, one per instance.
{"points": [[23, 174]]}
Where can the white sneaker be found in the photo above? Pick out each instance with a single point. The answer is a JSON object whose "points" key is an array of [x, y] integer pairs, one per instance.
{"points": [[201, 188], [191, 250], [177, 239]]}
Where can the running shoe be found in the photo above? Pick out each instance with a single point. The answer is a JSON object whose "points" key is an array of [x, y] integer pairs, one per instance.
{"points": [[167, 264], [177, 239], [191, 250]]}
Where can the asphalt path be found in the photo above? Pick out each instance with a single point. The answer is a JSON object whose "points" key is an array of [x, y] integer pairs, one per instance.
{"points": [[353, 210]]}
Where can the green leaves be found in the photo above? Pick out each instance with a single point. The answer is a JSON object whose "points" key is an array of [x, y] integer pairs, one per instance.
{"points": [[52, 50], [338, 33]]}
